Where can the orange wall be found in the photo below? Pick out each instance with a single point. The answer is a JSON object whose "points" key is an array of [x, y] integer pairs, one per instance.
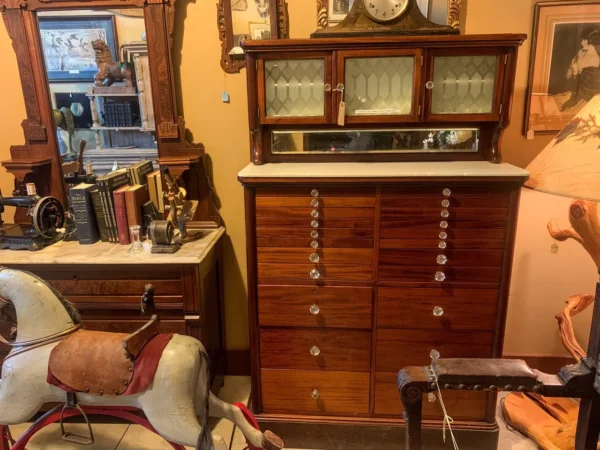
{"points": [[541, 280]]}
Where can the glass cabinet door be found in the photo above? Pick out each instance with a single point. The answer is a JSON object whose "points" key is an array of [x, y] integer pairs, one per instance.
{"points": [[380, 86], [296, 88], [465, 85]]}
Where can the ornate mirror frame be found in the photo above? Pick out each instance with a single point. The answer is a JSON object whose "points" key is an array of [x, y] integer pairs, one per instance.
{"points": [[279, 30], [38, 160]]}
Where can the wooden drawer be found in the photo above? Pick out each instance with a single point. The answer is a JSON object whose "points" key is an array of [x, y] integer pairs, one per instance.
{"points": [[463, 309], [340, 350], [291, 391], [402, 348], [315, 213], [301, 272], [323, 242], [338, 307], [433, 233], [307, 191], [452, 274], [440, 201], [307, 202], [305, 232], [449, 244], [473, 190], [460, 405], [455, 258], [306, 222], [451, 224], [326, 255], [453, 213]]}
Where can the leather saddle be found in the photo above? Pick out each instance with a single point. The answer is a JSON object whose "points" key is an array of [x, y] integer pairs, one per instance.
{"points": [[99, 363]]}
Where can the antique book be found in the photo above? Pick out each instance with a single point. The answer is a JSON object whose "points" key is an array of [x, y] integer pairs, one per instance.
{"points": [[110, 183], [135, 197], [100, 215], [121, 214], [83, 212], [139, 171], [152, 192]]}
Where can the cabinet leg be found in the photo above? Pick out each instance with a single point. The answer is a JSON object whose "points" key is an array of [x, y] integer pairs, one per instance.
{"points": [[412, 399], [588, 424]]}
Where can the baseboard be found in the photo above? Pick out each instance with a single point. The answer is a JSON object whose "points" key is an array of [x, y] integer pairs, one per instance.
{"points": [[546, 364], [237, 362]]}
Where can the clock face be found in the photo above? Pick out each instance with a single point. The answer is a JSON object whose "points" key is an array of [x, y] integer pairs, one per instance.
{"points": [[385, 10]]}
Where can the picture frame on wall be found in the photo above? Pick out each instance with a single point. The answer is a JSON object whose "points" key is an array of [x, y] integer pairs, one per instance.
{"points": [[339, 9], [564, 68], [260, 31], [67, 45]]}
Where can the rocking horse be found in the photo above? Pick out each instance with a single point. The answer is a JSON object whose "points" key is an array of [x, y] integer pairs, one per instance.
{"points": [[53, 359]]}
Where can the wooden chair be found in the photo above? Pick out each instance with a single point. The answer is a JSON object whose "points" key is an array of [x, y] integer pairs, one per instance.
{"points": [[581, 380]]}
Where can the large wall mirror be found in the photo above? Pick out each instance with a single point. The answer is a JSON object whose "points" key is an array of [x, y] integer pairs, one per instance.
{"points": [[97, 80]]}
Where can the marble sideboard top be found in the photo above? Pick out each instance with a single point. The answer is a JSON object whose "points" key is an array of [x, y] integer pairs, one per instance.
{"points": [[105, 253]]}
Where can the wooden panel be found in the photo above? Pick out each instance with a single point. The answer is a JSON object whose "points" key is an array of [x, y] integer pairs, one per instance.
{"points": [[427, 257], [454, 213], [428, 223], [126, 302], [460, 405], [427, 274], [434, 233], [326, 255], [301, 272], [352, 201], [341, 350], [471, 190], [464, 309], [80, 272], [434, 244], [401, 348], [336, 222], [290, 391], [436, 202], [130, 326], [339, 307], [323, 243], [115, 287], [322, 213], [305, 232], [306, 191]]}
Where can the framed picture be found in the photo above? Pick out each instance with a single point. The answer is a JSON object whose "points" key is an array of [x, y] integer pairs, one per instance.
{"points": [[67, 45], [260, 31], [339, 9], [79, 104], [564, 70]]}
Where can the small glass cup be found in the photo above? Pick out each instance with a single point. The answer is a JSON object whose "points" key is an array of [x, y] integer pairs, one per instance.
{"points": [[137, 246]]}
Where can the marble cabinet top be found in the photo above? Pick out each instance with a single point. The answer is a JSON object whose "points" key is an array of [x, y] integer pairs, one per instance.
{"points": [[457, 169], [105, 253]]}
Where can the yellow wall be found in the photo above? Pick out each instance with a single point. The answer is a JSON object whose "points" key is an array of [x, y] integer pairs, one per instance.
{"points": [[223, 128]]}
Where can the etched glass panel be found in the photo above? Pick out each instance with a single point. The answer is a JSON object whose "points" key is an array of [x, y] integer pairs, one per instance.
{"points": [[402, 140], [379, 86], [463, 84], [295, 88]]}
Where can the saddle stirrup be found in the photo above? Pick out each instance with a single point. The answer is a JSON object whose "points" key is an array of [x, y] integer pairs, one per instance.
{"points": [[75, 438]]}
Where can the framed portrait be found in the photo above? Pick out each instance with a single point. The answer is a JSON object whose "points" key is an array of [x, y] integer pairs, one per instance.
{"points": [[564, 70], [67, 45], [260, 31], [79, 104], [339, 9]]}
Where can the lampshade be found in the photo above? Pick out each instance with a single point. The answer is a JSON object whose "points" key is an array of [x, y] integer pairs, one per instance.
{"points": [[570, 164]]}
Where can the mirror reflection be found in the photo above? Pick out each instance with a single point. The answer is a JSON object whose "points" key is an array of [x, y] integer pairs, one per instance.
{"points": [[376, 141], [250, 20], [99, 79]]}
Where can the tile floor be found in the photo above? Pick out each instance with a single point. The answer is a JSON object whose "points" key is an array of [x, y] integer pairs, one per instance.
{"points": [[135, 437]]}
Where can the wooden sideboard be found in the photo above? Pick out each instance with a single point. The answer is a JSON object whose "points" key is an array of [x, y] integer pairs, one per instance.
{"points": [[106, 285], [356, 270]]}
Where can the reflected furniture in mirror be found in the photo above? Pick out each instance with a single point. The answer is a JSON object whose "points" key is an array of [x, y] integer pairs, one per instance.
{"points": [[380, 220]]}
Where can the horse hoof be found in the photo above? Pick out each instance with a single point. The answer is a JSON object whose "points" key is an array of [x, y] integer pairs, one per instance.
{"points": [[271, 441]]}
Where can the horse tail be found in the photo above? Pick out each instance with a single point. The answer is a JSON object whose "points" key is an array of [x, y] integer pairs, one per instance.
{"points": [[205, 437]]}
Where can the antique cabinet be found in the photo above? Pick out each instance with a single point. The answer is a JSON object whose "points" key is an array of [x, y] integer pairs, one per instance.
{"points": [[379, 228]]}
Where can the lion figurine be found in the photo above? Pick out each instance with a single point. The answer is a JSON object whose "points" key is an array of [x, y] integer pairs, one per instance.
{"points": [[109, 71]]}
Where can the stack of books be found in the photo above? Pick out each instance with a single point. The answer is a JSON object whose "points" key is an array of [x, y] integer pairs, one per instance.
{"points": [[118, 200], [118, 113]]}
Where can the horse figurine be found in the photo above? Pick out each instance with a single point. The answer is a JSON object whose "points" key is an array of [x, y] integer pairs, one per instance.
{"points": [[52, 354], [109, 71]]}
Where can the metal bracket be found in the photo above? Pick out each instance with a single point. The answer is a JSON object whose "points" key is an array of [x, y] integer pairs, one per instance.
{"points": [[73, 437]]}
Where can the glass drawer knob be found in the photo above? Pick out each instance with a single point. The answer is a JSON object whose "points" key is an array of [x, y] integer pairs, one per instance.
{"points": [[314, 309], [314, 224], [431, 397], [314, 244], [429, 85], [438, 311], [314, 193], [315, 351], [442, 245], [445, 214], [315, 394], [314, 213], [314, 234], [447, 192], [314, 203], [442, 259], [314, 274], [445, 203], [314, 258], [440, 276], [327, 87], [443, 235], [434, 354], [443, 224]]}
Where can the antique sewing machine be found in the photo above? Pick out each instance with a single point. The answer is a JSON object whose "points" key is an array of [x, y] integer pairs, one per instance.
{"points": [[47, 216]]}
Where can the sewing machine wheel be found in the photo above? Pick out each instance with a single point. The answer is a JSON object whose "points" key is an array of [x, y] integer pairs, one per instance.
{"points": [[48, 215]]}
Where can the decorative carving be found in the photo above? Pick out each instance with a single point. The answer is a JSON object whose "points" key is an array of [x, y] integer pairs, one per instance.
{"points": [[34, 130], [454, 8], [322, 14], [283, 21], [168, 130]]}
